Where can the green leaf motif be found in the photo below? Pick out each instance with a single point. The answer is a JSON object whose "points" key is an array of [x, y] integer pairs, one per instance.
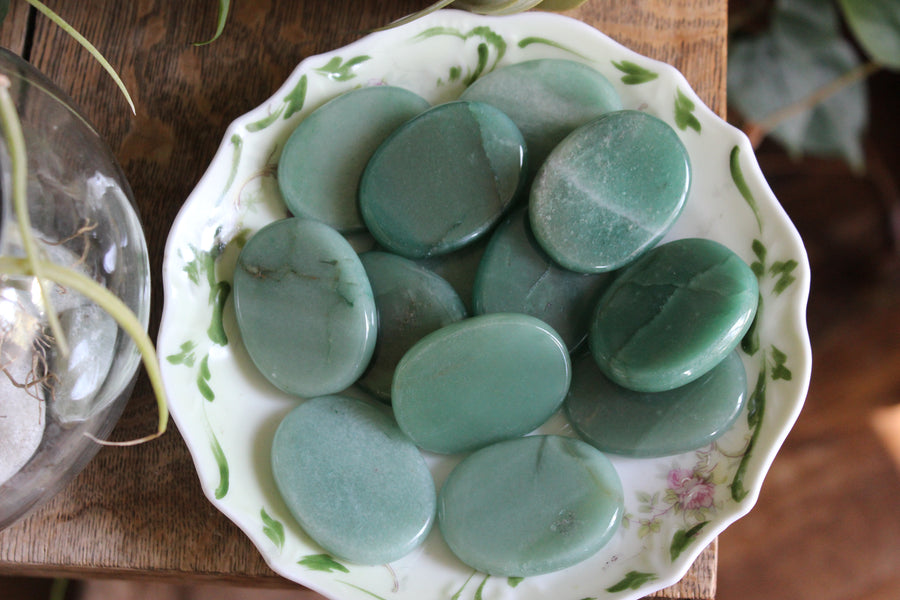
{"points": [[876, 25], [237, 144], [222, 462], [632, 581], [514, 581], [737, 176], [527, 41], [322, 562], [479, 592], [363, 590], [684, 113], [295, 100], [750, 342], [338, 70], [266, 121], [783, 269], [683, 538], [273, 528], [185, 356], [779, 370], [634, 74], [756, 406], [490, 39], [203, 377], [216, 329]]}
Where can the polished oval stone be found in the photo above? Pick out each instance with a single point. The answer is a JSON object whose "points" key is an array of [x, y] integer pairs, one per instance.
{"points": [[459, 268], [673, 315], [516, 275], [547, 99], [609, 191], [353, 481], [442, 179], [304, 307], [530, 506], [324, 157], [649, 424], [411, 302], [479, 381]]}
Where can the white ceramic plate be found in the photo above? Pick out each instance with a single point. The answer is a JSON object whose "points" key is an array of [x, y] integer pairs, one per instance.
{"points": [[227, 412]]}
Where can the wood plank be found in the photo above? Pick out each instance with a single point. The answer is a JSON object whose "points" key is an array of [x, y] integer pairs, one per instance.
{"points": [[139, 512]]}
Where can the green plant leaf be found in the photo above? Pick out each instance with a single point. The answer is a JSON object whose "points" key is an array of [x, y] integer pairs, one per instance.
{"points": [[876, 25], [224, 7], [801, 53], [322, 562]]}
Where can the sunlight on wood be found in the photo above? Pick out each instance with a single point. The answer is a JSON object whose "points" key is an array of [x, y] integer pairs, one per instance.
{"points": [[886, 423]]}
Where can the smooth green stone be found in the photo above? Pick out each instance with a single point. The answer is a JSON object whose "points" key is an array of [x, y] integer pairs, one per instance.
{"points": [[324, 157], [353, 481], [442, 179], [673, 315], [304, 307], [547, 99], [609, 191], [530, 506], [516, 275], [479, 381], [411, 302], [459, 268], [649, 424]]}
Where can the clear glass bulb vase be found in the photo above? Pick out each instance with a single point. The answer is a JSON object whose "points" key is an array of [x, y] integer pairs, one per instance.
{"points": [[83, 218]]}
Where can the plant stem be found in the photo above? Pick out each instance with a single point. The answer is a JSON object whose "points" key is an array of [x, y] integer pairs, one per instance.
{"points": [[15, 140], [756, 131], [119, 311]]}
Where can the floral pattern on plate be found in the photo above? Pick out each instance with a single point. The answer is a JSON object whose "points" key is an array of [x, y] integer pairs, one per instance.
{"points": [[227, 412]]}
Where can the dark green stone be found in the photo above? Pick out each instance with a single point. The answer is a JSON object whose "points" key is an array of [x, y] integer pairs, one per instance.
{"points": [[442, 179], [609, 191], [530, 506], [649, 424], [673, 315], [411, 302], [479, 381], [516, 275], [324, 157], [352, 480], [547, 99], [304, 307]]}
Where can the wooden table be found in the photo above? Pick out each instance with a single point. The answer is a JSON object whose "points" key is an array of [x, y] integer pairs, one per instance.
{"points": [[139, 512]]}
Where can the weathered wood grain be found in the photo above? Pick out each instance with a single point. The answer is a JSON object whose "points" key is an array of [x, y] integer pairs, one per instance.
{"points": [[139, 512]]}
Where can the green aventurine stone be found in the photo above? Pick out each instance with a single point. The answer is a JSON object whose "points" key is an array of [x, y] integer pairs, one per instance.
{"points": [[516, 275], [530, 506], [411, 302], [353, 481], [442, 179], [673, 315], [609, 191], [324, 157], [648, 424], [479, 381], [547, 99], [304, 307]]}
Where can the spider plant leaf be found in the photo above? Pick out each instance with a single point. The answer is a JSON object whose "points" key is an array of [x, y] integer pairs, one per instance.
{"points": [[224, 7]]}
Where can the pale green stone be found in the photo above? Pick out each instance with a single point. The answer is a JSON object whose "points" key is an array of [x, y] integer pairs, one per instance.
{"points": [[650, 424], [547, 99], [324, 157], [304, 307], [479, 381], [609, 191], [673, 315], [353, 481], [442, 179], [411, 302], [516, 275], [530, 506]]}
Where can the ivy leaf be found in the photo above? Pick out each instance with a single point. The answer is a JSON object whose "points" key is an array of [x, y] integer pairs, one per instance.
{"points": [[876, 25], [801, 52]]}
